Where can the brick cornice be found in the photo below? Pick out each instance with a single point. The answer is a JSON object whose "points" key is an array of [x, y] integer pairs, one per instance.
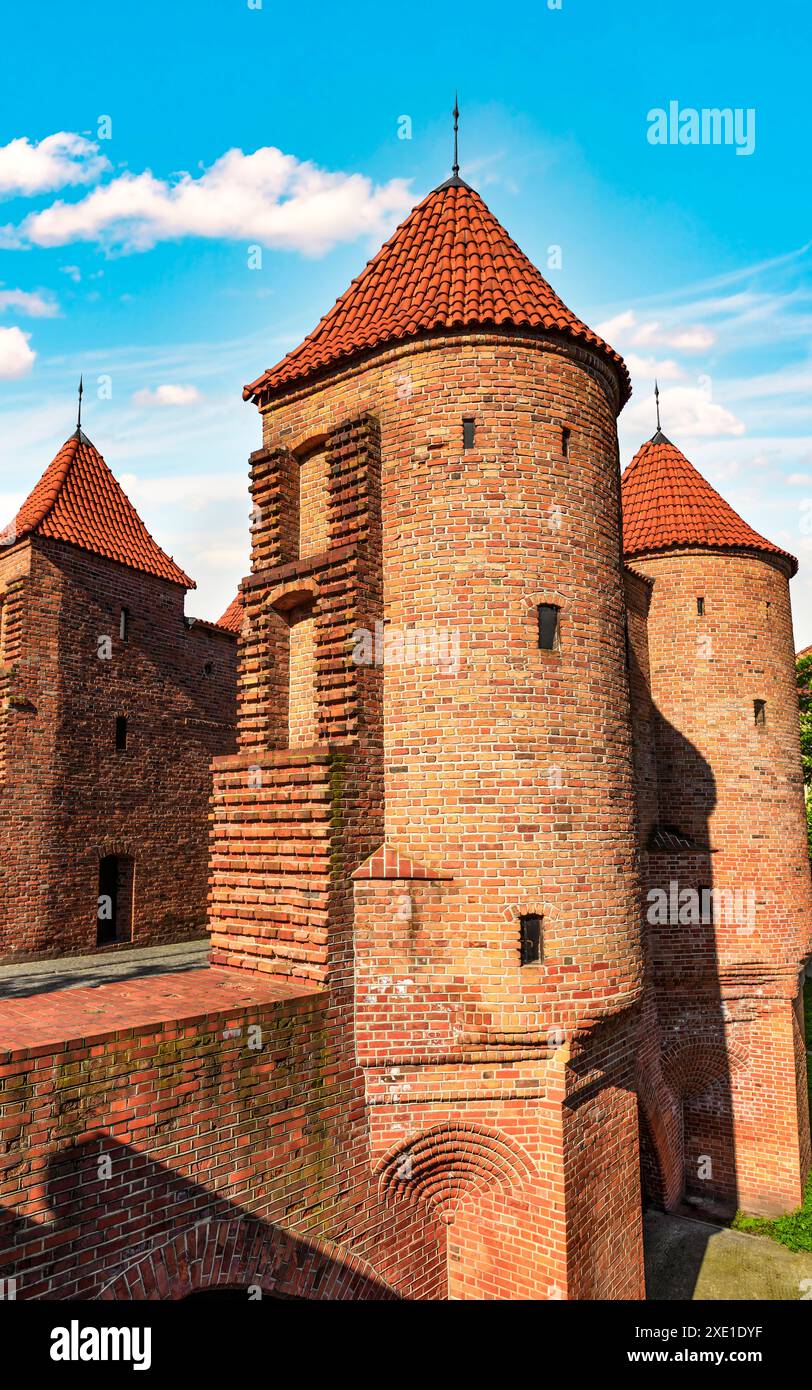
{"points": [[431, 342]]}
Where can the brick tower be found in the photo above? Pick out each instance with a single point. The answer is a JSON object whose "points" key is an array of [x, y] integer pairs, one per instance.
{"points": [[111, 707], [723, 1092], [431, 816]]}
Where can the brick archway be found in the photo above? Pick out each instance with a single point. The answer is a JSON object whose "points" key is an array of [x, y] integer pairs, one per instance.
{"points": [[244, 1254], [447, 1164], [694, 1067]]}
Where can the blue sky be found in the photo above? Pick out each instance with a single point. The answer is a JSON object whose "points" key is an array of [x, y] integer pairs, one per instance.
{"points": [[234, 125]]}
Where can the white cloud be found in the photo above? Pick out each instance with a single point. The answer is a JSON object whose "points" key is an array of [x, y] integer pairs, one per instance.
{"points": [[616, 327], [663, 368], [266, 197], [693, 339], [194, 490], [28, 167], [168, 395], [687, 412], [800, 479], [16, 357], [34, 305], [625, 328]]}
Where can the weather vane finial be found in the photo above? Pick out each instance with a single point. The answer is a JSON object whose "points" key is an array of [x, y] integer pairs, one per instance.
{"points": [[657, 402], [79, 416], [455, 168]]}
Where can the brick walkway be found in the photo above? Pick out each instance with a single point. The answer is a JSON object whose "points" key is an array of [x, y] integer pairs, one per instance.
{"points": [[96, 1013], [102, 967]]}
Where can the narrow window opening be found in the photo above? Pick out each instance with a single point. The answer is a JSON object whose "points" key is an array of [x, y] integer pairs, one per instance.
{"points": [[208, 668], [468, 431], [760, 711], [313, 500], [303, 721], [565, 441], [121, 732], [530, 938], [700, 607], [548, 627], [124, 624]]}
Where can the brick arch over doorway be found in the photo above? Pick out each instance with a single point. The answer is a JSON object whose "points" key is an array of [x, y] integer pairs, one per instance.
{"points": [[242, 1254]]}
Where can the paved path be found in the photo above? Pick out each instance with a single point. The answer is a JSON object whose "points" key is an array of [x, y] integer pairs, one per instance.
{"points": [[692, 1259], [75, 972]]}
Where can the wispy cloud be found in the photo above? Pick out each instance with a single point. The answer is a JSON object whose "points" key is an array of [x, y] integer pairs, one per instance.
{"points": [[267, 197], [167, 395], [194, 490], [650, 333], [35, 306]]}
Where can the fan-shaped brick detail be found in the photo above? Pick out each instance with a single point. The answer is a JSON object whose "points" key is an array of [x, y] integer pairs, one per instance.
{"points": [[447, 1164], [693, 1068], [242, 1254]]}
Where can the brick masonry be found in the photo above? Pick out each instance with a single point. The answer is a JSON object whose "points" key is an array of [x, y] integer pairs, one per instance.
{"points": [[69, 796], [166, 1135], [726, 1089], [499, 774], [368, 1094]]}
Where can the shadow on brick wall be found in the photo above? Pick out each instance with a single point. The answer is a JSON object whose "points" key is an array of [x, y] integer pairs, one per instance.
{"points": [[117, 1225]]}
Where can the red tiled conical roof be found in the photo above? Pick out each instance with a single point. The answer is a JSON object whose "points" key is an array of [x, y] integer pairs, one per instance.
{"points": [[78, 500], [450, 265], [234, 614], [668, 505]]}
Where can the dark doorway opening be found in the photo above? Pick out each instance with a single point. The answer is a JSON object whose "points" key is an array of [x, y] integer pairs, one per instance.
{"points": [[114, 908]]}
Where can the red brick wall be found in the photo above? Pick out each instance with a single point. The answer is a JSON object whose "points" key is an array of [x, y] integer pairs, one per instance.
{"points": [[508, 767], [472, 541], [69, 797], [214, 1137], [725, 993]]}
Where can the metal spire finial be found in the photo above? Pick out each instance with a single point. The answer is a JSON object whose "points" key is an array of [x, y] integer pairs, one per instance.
{"points": [[657, 402], [455, 168], [79, 416]]}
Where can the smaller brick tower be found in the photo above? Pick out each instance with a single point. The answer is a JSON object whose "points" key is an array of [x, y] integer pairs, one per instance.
{"points": [[728, 906], [112, 706]]}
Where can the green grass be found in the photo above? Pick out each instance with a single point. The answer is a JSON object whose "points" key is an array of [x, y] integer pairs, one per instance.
{"points": [[795, 1229]]}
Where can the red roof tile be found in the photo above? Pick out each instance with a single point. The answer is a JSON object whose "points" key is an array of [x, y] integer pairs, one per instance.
{"points": [[450, 265], [233, 616], [668, 505], [78, 500]]}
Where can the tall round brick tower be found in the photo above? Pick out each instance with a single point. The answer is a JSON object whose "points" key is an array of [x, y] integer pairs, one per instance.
{"points": [[727, 824], [436, 609]]}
